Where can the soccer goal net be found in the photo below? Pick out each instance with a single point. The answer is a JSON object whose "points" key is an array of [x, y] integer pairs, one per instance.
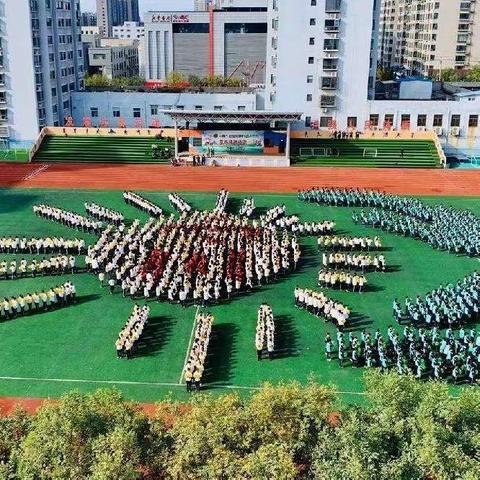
{"points": [[370, 152], [318, 152]]}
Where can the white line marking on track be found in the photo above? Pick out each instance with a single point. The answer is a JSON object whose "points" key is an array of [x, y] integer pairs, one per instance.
{"points": [[36, 172], [180, 380]]}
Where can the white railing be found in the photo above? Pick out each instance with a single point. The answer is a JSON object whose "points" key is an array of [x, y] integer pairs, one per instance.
{"points": [[37, 143]]}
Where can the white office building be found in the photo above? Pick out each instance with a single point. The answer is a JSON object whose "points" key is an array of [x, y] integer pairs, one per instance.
{"points": [[41, 63]]}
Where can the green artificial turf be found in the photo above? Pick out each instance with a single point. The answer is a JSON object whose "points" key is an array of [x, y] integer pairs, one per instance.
{"points": [[49, 353]]}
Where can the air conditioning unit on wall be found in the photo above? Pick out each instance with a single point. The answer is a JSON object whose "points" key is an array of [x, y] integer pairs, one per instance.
{"points": [[438, 131]]}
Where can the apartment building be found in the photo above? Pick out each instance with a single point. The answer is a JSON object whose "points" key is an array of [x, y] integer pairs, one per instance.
{"points": [[429, 35], [321, 58], [114, 58], [41, 62]]}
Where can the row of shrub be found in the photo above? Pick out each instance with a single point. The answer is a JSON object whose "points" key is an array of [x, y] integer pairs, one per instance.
{"points": [[403, 430]]}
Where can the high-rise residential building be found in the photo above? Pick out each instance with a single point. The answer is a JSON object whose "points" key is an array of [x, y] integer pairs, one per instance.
{"points": [[89, 19], [111, 13], [229, 41], [41, 63], [321, 58], [429, 35]]}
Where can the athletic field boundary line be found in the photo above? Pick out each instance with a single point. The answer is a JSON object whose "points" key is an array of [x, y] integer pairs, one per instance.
{"points": [[134, 383], [36, 172], [180, 382]]}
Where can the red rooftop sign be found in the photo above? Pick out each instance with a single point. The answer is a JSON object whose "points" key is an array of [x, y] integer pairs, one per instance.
{"points": [[175, 18]]}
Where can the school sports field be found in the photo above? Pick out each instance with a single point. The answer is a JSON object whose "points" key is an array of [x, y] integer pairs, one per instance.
{"points": [[46, 354]]}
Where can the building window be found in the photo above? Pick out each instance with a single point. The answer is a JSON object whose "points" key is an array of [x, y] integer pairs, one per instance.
{"points": [[351, 122], [389, 117], [94, 112], [116, 112], [198, 107], [437, 120], [309, 78], [308, 121], [217, 108], [374, 118], [313, 22], [311, 60], [241, 108], [309, 97], [473, 121], [311, 41], [137, 113], [421, 120], [325, 122], [153, 109], [455, 121]]}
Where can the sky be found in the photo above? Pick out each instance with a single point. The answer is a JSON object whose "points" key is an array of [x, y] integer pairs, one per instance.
{"points": [[145, 5]]}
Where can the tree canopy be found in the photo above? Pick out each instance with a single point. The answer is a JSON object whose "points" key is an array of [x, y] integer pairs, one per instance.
{"points": [[403, 430]]}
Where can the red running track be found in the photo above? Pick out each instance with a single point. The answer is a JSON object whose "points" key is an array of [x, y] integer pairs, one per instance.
{"points": [[277, 180]]}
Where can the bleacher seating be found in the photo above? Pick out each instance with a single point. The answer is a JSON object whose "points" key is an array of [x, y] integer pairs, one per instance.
{"points": [[365, 153], [103, 149]]}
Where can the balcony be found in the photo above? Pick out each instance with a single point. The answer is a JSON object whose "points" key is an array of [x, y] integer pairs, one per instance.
{"points": [[328, 101], [330, 64], [333, 6]]}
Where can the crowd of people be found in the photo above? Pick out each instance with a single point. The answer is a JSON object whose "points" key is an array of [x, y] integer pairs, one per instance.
{"points": [[265, 332], [318, 304], [58, 265], [142, 204], [42, 245], [247, 208], [345, 243], [179, 203], [104, 214], [342, 280], [195, 365], [446, 306], [200, 258], [222, 199], [442, 227], [453, 230], [131, 333], [421, 352], [272, 215], [29, 303], [353, 261], [70, 219], [293, 224]]}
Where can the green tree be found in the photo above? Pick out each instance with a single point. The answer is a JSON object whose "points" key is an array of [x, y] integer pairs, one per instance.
{"points": [[175, 79], [96, 80], [13, 430], [385, 73], [80, 436]]}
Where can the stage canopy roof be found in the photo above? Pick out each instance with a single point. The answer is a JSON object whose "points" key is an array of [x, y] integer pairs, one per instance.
{"points": [[210, 116]]}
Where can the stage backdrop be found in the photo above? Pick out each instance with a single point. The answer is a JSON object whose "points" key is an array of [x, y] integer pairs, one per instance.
{"points": [[232, 141]]}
